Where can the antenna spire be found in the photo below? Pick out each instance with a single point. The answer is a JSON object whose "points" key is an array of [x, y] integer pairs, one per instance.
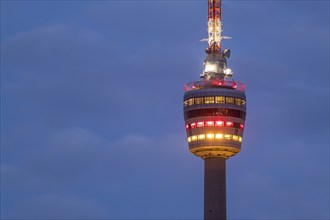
{"points": [[215, 64], [214, 27]]}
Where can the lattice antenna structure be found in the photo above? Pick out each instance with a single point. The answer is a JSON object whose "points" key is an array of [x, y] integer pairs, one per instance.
{"points": [[215, 64]]}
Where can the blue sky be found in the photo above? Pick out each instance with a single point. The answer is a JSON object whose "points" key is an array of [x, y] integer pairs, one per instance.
{"points": [[91, 109]]}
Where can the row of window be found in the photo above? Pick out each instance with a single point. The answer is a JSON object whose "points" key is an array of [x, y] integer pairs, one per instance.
{"points": [[214, 100], [219, 123], [214, 112], [217, 136]]}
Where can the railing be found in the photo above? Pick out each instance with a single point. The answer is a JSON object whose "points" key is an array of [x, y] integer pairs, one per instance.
{"points": [[216, 83]]}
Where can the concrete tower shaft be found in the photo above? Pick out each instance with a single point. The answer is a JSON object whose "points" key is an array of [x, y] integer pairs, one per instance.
{"points": [[215, 189]]}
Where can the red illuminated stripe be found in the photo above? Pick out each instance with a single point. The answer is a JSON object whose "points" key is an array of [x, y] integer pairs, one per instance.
{"points": [[201, 124]]}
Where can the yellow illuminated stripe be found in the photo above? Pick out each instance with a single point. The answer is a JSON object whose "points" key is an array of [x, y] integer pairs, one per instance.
{"points": [[214, 99], [212, 136]]}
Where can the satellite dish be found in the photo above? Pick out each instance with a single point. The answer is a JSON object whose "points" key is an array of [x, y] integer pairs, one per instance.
{"points": [[226, 53]]}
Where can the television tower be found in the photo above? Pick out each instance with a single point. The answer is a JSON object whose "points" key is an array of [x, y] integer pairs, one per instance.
{"points": [[214, 113]]}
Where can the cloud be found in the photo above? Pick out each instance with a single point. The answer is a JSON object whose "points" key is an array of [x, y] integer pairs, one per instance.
{"points": [[286, 179], [69, 157], [109, 169], [58, 206]]}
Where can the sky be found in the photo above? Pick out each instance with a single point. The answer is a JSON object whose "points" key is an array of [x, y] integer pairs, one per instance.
{"points": [[92, 109]]}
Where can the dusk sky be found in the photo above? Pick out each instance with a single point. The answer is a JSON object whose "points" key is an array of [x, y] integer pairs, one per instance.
{"points": [[92, 109]]}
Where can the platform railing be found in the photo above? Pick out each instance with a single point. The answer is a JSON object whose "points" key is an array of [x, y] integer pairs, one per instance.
{"points": [[216, 83]]}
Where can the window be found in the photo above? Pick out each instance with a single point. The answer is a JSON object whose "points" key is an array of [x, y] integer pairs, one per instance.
{"points": [[201, 137], [210, 136], [238, 101], [209, 123], [190, 101], [198, 101], [229, 100], [219, 136], [208, 100], [212, 100], [214, 112], [219, 123], [228, 136], [200, 124], [221, 112], [229, 124], [219, 99]]}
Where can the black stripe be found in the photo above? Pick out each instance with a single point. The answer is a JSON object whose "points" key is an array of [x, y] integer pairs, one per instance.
{"points": [[214, 112]]}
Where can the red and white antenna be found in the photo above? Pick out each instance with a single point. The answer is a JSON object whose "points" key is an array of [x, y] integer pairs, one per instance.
{"points": [[214, 26], [215, 64]]}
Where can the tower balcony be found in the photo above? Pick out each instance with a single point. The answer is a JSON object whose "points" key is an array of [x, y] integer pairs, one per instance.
{"points": [[215, 83]]}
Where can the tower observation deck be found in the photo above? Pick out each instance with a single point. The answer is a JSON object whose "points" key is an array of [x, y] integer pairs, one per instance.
{"points": [[214, 113]]}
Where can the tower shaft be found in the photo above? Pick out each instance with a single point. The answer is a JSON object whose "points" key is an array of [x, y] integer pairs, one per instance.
{"points": [[215, 189]]}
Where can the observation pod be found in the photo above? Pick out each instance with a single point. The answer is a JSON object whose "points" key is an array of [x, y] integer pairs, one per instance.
{"points": [[214, 114]]}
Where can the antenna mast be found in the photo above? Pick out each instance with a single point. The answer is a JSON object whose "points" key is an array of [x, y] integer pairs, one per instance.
{"points": [[215, 64], [214, 26]]}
